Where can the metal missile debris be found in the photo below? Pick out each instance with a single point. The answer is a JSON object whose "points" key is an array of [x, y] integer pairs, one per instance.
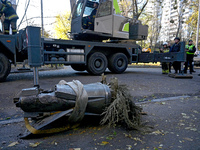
{"points": [[70, 102]]}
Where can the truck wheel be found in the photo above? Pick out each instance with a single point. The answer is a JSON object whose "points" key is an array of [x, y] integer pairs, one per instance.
{"points": [[77, 67], [118, 63], [5, 67], [97, 63]]}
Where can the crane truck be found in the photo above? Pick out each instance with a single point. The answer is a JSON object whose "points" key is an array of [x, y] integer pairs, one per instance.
{"points": [[111, 44]]}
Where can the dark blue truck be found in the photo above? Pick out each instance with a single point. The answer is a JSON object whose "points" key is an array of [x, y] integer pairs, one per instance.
{"points": [[94, 57]]}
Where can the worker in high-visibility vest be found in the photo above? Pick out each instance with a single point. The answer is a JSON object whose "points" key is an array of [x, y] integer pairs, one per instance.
{"points": [[190, 50], [10, 17], [165, 65]]}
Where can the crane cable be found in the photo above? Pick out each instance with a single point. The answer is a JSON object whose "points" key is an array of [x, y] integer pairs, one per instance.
{"points": [[24, 14]]}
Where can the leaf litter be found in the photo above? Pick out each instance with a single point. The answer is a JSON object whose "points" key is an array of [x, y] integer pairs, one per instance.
{"points": [[13, 144]]}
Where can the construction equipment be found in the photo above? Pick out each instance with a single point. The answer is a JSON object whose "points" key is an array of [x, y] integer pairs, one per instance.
{"points": [[86, 51], [108, 22]]}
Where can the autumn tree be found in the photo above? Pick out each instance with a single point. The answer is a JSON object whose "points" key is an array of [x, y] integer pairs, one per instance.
{"points": [[126, 8], [46, 34], [152, 17], [193, 19], [62, 26]]}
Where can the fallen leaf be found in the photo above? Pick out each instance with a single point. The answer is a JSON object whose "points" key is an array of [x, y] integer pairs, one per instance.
{"points": [[104, 143], [195, 111], [7, 118], [156, 132], [13, 144], [129, 147], [193, 129], [190, 128], [186, 117], [109, 137], [34, 144], [188, 139], [53, 142], [183, 114], [181, 124], [114, 133], [137, 139], [127, 135]]}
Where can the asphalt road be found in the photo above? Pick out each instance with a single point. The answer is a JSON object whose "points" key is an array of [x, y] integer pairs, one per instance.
{"points": [[175, 118]]}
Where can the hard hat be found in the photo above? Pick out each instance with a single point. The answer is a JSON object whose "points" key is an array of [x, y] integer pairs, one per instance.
{"points": [[3, 1], [165, 43], [96, 3], [190, 41], [177, 38]]}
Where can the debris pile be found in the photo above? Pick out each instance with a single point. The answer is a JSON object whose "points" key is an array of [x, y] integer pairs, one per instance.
{"points": [[74, 100], [122, 109]]}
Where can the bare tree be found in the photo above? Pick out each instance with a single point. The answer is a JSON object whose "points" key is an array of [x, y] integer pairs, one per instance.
{"points": [[138, 7], [180, 7], [133, 8]]}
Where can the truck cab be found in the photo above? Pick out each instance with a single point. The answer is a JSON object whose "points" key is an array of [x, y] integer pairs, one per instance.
{"points": [[108, 22]]}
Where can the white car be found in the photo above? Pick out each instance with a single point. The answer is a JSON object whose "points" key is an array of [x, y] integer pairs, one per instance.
{"points": [[197, 58]]}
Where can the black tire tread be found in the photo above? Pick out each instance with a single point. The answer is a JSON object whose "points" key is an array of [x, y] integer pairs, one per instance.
{"points": [[90, 65], [112, 66], [78, 67], [7, 67]]}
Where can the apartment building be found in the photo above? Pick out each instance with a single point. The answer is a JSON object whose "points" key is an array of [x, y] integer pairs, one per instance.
{"points": [[174, 16]]}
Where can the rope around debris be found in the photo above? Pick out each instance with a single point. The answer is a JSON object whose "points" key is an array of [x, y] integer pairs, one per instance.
{"points": [[81, 100]]}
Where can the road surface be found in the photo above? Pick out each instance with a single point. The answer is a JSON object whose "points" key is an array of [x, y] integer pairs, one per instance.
{"points": [[172, 106]]}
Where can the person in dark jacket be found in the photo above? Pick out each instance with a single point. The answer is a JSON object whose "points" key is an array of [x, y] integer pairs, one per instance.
{"points": [[10, 17], [190, 50], [89, 21], [176, 48]]}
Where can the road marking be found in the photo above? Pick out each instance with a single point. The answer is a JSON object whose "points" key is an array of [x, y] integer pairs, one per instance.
{"points": [[11, 121], [164, 99]]}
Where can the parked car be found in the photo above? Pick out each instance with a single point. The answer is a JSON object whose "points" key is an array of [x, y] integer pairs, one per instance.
{"points": [[197, 58]]}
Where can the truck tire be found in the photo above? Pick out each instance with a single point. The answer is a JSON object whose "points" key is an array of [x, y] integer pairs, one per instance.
{"points": [[5, 67], [78, 67], [118, 63], [97, 63]]}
